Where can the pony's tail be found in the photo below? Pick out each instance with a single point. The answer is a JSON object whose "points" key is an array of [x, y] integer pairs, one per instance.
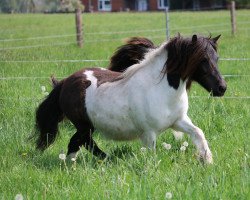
{"points": [[130, 53], [48, 115]]}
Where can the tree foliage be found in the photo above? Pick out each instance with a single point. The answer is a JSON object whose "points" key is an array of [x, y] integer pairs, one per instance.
{"points": [[25, 6], [241, 3]]}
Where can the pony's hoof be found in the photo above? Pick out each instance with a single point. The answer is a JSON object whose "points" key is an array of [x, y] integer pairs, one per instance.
{"points": [[72, 156], [103, 156], [206, 157]]}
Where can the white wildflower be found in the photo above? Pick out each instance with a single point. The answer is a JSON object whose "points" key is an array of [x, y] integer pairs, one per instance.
{"points": [[73, 159], [166, 146], [62, 156], [19, 197], [43, 88], [185, 144], [183, 148], [46, 93], [143, 149], [168, 195]]}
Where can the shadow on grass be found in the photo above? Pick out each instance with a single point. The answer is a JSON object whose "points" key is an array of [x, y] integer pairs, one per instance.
{"points": [[48, 160]]}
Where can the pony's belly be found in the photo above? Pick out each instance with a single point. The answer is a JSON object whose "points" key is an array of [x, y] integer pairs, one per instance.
{"points": [[115, 129]]}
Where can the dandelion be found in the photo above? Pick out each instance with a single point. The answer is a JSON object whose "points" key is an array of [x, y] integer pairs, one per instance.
{"points": [[185, 144], [183, 148], [168, 195], [24, 154], [19, 197], [166, 146], [62, 156], [74, 163], [43, 88], [143, 149]]}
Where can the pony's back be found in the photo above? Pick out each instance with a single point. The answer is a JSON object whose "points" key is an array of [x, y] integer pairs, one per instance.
{"points": [[130, 53]]}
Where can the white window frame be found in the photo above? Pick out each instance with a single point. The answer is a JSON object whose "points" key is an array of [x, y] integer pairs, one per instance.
{"points": [[161, 4], [103, 5]]}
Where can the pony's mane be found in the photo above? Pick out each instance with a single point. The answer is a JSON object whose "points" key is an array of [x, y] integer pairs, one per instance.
{"points": [[130, 53], [149, 58], [184, 56]]}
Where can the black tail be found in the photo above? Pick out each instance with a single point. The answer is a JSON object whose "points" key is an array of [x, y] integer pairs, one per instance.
{"points": [[48, 115], [130, 53]]}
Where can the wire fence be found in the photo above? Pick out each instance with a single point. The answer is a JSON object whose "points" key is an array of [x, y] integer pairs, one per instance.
{"points": [[93, 60], [94, 41], [121, 32], [61, 77], [32, 99]]}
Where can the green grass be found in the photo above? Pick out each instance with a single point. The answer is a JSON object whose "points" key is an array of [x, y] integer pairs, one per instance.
{"points": [[137, 175]]}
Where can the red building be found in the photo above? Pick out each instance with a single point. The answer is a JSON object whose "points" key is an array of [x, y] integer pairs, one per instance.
{"points": [[150, 5], [123, 5]]}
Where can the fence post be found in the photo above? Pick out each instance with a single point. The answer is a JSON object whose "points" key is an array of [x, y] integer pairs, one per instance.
{"points": [[233, 18], [167, 23], [79, 38]]}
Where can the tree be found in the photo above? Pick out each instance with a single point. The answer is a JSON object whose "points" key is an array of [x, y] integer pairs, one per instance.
{"points": [[241, 3], [11, 6], [71, 5]]}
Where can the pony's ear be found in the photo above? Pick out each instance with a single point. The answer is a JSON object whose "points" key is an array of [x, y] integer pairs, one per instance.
{"points": [[194, 38], [215, 39]]}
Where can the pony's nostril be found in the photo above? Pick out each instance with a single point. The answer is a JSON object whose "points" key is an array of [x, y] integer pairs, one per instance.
{"points": [[222, 88]]}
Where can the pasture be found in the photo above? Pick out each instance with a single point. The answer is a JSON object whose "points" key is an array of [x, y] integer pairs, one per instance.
{"points": [[35, 46]]}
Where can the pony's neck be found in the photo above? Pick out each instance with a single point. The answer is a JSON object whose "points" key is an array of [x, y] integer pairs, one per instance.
{"points": [[154, 61]]}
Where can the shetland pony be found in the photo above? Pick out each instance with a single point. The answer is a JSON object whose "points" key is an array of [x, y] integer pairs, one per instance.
{"points": [[140, 103]]}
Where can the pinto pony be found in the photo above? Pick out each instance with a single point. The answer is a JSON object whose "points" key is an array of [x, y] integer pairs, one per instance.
{"points": [[139, 103]]}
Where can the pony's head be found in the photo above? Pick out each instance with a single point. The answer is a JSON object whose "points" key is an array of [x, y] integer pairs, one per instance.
{"points": [[194, 59]]}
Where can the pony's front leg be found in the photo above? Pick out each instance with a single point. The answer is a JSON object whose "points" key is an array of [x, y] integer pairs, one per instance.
{"points": [[185, 125], [149, 139]]}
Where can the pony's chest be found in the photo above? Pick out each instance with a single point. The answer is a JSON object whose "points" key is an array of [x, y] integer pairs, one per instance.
{"points": [[161, 119], [163, 113]]}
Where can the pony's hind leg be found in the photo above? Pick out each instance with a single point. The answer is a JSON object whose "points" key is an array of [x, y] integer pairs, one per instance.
{"points": [[84, 138], [149, 139]]}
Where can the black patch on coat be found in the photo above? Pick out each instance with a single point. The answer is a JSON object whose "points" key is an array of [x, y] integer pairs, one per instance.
{"points": [[173, 80]]}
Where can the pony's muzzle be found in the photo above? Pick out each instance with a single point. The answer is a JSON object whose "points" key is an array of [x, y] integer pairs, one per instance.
{"points": [[221, 89]]}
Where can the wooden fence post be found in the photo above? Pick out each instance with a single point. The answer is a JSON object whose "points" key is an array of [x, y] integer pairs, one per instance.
{"points": [[233, 17], [167, 20], [79, 38], [167, 24]]}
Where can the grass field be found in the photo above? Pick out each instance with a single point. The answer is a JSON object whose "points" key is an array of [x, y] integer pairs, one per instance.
{"points": [[137, 174]]}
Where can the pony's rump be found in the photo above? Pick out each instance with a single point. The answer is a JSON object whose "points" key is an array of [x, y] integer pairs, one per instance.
{"points": [[130, 53], [48, 115]]}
